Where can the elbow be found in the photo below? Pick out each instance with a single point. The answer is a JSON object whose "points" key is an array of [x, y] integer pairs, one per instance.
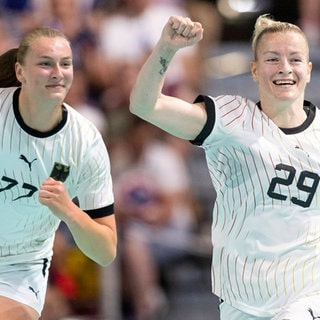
{"points": [[138, 107], [142, 111], [108, 258], [132, 104], [106, 262], [107, 253], [134, 107], [138, 111]]}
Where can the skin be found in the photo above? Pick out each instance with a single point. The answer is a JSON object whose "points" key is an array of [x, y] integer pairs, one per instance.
{"points": [[46, 76], [178, 117], [282, 71], [13, 310], [283, 104]]}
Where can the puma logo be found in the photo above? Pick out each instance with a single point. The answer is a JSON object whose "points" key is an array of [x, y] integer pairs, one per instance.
{"points": [[312, 315], [22, 157], [35, 292]]}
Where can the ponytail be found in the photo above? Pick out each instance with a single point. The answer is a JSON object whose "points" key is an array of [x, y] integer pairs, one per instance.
{"points": [[266, 24], [7, 69]]}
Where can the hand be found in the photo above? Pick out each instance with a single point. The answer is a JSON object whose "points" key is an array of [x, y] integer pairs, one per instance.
{"points": [[182, 32], [54, 195]]}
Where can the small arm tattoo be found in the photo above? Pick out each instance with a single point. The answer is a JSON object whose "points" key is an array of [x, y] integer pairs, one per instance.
{"points": [[164, 63]]}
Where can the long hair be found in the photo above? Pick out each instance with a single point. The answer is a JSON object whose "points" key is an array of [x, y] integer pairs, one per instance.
{"points": [[7, 69]]}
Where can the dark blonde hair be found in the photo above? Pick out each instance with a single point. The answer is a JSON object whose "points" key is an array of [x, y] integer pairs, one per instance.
{"points": [[9, 58], [265, 24]]}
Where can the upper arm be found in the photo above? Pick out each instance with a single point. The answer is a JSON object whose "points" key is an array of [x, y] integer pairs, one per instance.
{"points": [[177, 117], [108, 221]]}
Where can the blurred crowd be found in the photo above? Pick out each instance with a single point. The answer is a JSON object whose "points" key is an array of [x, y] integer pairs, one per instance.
{"points": [[163, 197], [156, 207]]}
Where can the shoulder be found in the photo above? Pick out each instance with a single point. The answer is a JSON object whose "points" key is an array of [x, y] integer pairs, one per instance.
{"points": [[224, 103], [224, 111], [81, 125], [77, 116], [7, 91], [6, 97]]}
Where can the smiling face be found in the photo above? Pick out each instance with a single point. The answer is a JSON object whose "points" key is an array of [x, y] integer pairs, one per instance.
{"points": [[282, 68], [46, 73]]}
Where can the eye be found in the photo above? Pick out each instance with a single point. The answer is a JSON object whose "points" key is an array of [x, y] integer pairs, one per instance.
{"points": [[66, 63], [272, 59], [44, 63]]}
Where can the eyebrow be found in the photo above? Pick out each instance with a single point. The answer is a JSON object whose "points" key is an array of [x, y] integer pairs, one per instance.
{"points": [[278, 53], [49, 57]]}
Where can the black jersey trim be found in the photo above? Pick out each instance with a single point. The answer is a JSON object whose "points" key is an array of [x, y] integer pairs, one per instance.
{"points": [[211, 116], [101, 212], [33, 132], [310, 110]]}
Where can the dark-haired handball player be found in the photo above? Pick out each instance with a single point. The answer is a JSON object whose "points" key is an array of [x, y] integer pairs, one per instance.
{"points": [[49, 155], [264, 161]]}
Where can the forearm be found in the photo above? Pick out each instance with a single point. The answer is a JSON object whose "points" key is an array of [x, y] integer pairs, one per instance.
{"points": [[176, 116], [148, 87], [97, 238]]}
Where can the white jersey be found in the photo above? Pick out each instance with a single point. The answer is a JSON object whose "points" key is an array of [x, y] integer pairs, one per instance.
{"points": [[74, 152], [266, 219]]}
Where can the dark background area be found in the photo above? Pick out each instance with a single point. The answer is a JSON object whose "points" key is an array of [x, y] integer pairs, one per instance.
{"points": [[240, 29]]}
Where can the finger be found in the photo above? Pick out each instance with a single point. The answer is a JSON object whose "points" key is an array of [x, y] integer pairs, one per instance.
{"points": [[44, 195], [182, 25], [177, 22], [48, 182], [197, 30], [186, 27]]}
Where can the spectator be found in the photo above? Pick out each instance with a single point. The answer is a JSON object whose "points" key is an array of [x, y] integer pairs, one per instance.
{"points": [[156, 215], [309, 11], [75, 20], [144, 19]]}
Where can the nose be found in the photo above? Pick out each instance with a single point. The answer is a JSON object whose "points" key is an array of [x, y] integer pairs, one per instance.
{"points": [[285, 67], [56, 72]]}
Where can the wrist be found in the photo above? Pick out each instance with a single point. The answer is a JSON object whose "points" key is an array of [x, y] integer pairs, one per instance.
{"points": [[166, 50]]}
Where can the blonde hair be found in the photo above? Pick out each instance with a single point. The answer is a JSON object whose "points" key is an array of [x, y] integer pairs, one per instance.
{"points": [[265, 24], [37, 33]]}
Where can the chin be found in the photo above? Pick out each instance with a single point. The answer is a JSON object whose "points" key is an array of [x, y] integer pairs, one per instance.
{"points": [[57, 92], [58, 98]]}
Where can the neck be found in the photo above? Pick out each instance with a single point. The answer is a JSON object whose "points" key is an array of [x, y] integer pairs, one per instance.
{"points": [[290, 120], [285, 115], [40, 118]]}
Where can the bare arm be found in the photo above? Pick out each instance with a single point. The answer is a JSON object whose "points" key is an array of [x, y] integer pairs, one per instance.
{"points": [[96, 238], [176, 116]]}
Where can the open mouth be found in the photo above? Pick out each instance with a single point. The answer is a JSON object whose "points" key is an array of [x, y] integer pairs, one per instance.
{"points": [[284, 82]]}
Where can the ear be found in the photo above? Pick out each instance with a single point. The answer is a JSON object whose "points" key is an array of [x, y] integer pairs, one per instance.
{"points": [[19, 72], [253, 68], [309, 71]]}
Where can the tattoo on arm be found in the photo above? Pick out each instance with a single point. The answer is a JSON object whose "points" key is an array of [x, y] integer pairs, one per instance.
{"points": [[164, 63]]}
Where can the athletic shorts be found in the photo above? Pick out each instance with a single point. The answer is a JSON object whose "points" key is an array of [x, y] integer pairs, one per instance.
{"points": [[25, 282], [305, 308]]}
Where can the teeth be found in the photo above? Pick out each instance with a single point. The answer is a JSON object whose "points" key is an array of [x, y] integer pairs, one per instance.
{"points": [[283, 82]]}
